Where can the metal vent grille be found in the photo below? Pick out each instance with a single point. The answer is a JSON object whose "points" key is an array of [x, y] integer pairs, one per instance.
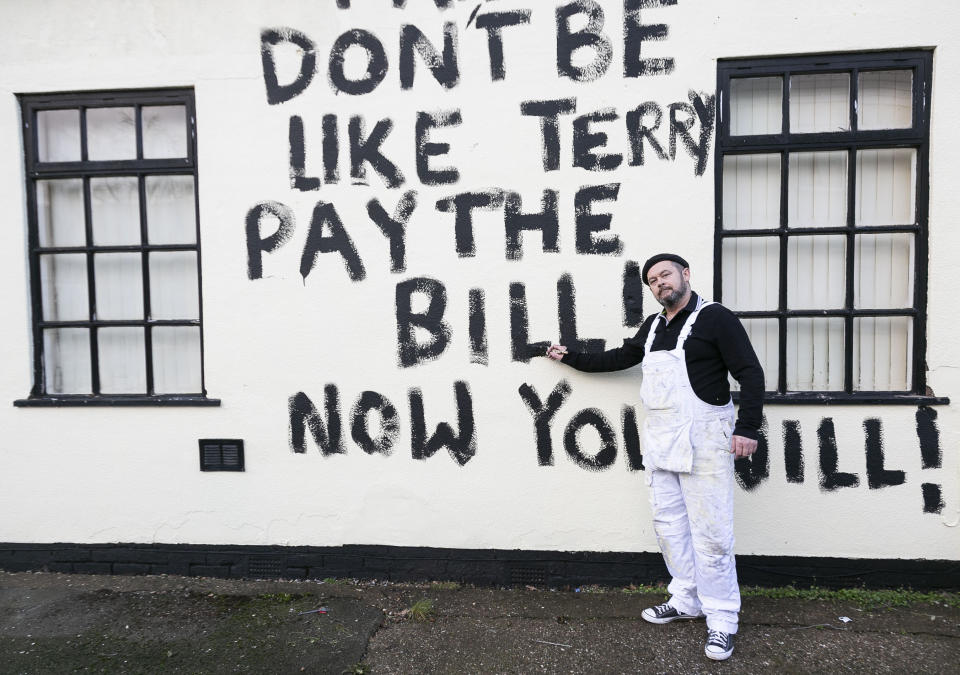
{"points": [[264, 567], [528, 576], [221, 454]]}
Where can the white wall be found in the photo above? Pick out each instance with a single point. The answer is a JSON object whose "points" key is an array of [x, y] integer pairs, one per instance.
{"points": [[131, 474]]}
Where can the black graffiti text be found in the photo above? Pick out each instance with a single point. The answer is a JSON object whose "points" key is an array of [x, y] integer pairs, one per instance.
{"points": [[326, 428]]}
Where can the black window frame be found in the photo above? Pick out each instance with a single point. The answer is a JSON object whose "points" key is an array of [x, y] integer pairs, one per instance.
{"points": [[35, 170], [920, 61]]}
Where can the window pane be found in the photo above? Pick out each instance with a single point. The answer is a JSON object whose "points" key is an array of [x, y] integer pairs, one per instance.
{"points": [[164, 131], [174, 292], [756, 105], [815, 354], [111, 134], [883, 353], [819, 102], [63, 286], [176, 360], [119, 284], [751, 192], [886, 186], [58, 135], [817, 194], [171, 210], [751, 273], [764, 336], [66, 361], [122, 366], [115, 210], [883, 271], [886, 100], [60, 212], [815, 272]]}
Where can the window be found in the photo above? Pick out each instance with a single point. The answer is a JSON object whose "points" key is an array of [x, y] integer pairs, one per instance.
{"points": [[821, 220], [114, 248]]}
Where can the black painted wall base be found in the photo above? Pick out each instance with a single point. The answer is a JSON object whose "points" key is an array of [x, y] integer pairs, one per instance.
{"points": [[481, 566]]}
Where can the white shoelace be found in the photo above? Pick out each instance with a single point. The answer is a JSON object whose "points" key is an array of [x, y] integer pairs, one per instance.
{"points": [[717, 637]]}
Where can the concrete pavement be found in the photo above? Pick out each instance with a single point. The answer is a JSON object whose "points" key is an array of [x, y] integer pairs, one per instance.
{"points": [[53, 623]]}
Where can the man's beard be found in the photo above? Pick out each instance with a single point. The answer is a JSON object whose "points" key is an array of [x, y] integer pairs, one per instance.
{"points": [[671, 299]]}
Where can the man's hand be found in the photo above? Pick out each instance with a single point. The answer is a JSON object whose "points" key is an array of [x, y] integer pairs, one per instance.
{"points": [[556, 352], [742, 446]]}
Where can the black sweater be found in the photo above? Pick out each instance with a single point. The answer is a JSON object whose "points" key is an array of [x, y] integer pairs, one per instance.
{"points": [[716, 344]]}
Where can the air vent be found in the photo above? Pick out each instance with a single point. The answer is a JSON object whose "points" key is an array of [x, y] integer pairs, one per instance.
{"points": [[221, 454], [528, 576], [264, 568]]}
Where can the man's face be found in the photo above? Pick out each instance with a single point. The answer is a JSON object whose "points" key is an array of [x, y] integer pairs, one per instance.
{"points": [[669, 282]]}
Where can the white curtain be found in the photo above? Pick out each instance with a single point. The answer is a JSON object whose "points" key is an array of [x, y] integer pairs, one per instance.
{"points": [[885, 194], [756, 105], [115, 220], [819, 103], [886, 99]]}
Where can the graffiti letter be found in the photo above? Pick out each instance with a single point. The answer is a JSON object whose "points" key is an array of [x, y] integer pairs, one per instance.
{"points": [[567, 317], [331, 149], [929, 436], [608, 440], [376, 63], [462, 446], [547, 221], [521, 349], [338, 240], [543, 416], [493, 22], [478, 327], [298, 158], [588, 222], [589, 36], [635, 34], [462, 206], [697, 109], [394, 228], [256, 246], [549, 112], [632, 295], [445, 70], [793, 451], [277, 93], [304, 415], [368, 150], [631, 439], [389, 421], [584, 142], [639, 131], [753, 470], [877, 475], [830, 478], [426, 149], [410, 351]]}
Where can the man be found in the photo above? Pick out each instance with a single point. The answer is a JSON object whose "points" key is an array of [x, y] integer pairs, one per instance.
{"points": [[690, 440]]}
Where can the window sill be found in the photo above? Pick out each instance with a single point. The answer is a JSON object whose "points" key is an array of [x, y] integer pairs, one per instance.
{"points": [[834, 398], [117, 400]]}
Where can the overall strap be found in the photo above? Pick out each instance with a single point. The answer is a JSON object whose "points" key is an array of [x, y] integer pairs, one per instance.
{"points": [[688, 326], [684, 332]]}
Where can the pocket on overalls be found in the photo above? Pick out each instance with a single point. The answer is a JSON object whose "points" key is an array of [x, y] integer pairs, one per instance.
{"points": [[711, 433], [657, 389]]}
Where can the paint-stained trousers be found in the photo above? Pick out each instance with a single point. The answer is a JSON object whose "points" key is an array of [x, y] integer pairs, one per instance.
{"points": [[693, 520]]}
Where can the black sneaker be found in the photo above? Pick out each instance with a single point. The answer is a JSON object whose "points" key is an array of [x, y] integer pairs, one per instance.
{"points": [[666, 613], [719, 645]]}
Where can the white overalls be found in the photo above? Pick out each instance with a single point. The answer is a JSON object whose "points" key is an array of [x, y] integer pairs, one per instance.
{"points": [[689, 466]]}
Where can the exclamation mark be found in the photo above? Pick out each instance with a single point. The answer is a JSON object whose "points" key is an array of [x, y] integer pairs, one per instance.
{"points": [[931, 456]]}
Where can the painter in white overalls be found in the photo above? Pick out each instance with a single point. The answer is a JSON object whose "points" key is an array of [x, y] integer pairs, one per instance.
{"points": [[686, 451]]}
